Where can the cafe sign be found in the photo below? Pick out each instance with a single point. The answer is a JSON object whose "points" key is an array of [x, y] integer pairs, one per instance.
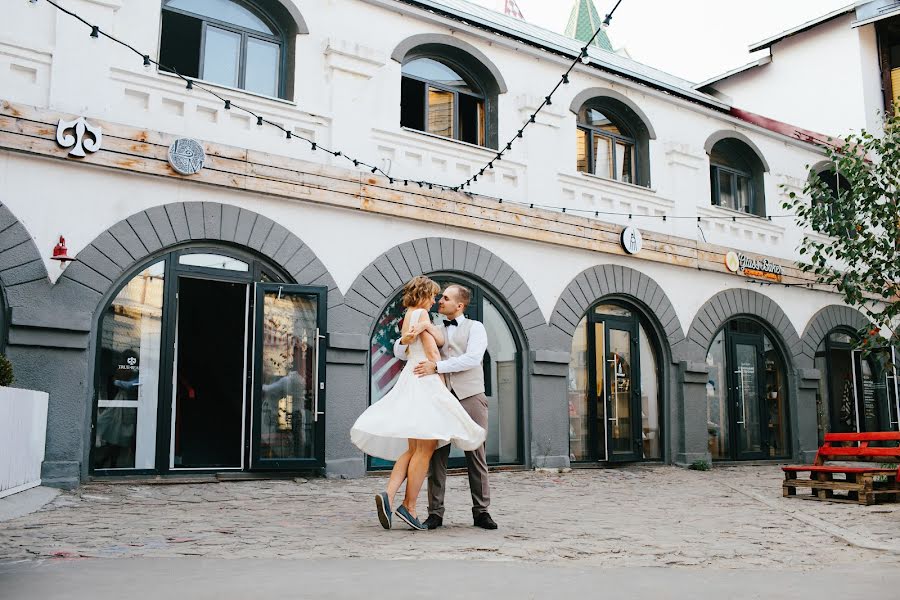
{"points": [[758, 268]]}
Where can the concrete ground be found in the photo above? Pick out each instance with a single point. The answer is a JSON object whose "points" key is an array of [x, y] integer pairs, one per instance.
{"points": [[725, 533]]}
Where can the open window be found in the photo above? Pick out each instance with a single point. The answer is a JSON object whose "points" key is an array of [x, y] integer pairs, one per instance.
{"points": [[736, 177]]}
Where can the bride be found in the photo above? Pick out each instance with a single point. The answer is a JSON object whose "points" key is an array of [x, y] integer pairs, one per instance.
{"points": [[417, 416]]}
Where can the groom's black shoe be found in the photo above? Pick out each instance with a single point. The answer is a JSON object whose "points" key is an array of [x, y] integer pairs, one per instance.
{"points": [[485, 521], [433, 522]]}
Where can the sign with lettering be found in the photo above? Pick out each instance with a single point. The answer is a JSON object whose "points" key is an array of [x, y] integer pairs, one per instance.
{"points": [[759, 268]]}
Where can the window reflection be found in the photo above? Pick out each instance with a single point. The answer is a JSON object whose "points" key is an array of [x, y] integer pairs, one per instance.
{"points": [[127, 393]]}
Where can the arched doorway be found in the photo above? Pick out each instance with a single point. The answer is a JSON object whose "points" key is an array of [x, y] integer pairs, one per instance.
{"points": [[502, 365], [747, 394], [615, 387], [857, 391], [208, 360]]}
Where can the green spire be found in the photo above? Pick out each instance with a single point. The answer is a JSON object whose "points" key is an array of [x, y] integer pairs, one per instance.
{"points": [[584, 21]]}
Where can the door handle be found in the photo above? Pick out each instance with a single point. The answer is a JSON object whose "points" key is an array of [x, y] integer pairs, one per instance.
{"points": [[317, 385]]}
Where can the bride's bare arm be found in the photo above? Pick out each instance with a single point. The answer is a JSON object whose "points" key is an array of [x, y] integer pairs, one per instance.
{"points": [[428, 342]]}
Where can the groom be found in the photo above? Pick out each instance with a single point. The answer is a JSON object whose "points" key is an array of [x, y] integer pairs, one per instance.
{"points": [[465, 342]]}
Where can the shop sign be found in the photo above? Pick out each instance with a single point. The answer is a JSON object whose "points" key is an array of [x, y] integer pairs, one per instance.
{"points": [[759, 268], [632, 241], [186, 156]]}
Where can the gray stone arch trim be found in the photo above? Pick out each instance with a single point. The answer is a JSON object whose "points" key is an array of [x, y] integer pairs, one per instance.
{"points": [[430, 39], [596, 283], [293, 11], [385, 276], [824, 322], [599, 92], [737, 302], [730, 133], [22, 269], [101, 265]]}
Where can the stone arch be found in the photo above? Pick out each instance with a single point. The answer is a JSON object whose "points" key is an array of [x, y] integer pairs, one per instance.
{"points": [[289, 14], [598, 92], [21, 265], [384, 277], [425, 41], [730, 133], [611, 281], [101, 265], [825, 321], [737, 302]]}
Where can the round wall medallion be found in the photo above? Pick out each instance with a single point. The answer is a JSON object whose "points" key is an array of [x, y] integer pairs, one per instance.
{"points": [[732, 263], [632, 241], [186, 156]]}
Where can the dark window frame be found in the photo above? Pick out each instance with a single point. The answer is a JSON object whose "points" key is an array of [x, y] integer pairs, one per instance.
{"points": [[278, 38], [715, 169], [591, 131], [470, 80]]}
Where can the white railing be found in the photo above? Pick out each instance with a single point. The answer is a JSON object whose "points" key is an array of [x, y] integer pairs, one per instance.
{"points": [[23, 433]]}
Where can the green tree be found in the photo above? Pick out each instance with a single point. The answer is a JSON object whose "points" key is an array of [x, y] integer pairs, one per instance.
{"points": [[855, 205]]}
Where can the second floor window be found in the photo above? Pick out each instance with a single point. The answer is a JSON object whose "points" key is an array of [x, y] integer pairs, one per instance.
{"points": [[736, 178], [437, 97], [605, 146], [226, 42]]}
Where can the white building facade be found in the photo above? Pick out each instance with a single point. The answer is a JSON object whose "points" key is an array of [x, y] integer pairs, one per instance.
{"points": [[238, 316]]}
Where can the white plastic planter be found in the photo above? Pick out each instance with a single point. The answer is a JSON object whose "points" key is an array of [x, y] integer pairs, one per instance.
{"points": [[23, 433]]}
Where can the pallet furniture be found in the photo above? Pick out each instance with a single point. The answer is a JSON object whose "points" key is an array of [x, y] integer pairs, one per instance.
{"points": [[863, 483]]}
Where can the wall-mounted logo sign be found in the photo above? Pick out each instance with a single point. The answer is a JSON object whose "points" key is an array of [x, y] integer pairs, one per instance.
{"points": [[186, 156], [632, 241], [760, 268], [86, 136]]}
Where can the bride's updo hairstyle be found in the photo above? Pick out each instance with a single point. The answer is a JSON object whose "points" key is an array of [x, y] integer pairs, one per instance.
{"points": [[419, 289]]}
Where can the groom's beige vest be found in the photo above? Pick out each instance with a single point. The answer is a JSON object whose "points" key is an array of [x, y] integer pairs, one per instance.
{"points": [[465, 383]]}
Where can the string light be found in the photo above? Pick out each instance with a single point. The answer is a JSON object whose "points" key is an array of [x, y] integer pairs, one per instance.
{"points": [[190, 84]]}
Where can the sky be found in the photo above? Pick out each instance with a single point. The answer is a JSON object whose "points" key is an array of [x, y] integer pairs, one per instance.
{"points": [[693, 39]]}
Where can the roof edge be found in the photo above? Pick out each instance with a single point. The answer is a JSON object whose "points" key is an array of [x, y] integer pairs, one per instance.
{"points": [[770, 41], [763, 60]]}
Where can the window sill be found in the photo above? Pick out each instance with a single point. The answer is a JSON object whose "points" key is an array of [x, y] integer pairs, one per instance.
{"points": [[449, 140], [224, 88], [721, 215], [730, 212], [631, 186]]}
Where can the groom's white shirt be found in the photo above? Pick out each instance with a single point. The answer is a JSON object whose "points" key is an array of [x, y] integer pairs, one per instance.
{"points": [[474, 354]]}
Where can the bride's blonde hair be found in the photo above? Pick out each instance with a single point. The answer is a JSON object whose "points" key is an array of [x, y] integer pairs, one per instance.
{"points": [[418, 289]]}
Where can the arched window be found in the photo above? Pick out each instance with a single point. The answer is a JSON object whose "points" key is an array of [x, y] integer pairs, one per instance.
{"points": [[502, 369], [614, 391], [441, 98], [613, 141], [857, 392], [736, 177], [232, 43], [747, 403]]}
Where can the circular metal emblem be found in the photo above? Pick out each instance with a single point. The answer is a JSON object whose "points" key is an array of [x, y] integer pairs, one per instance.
{"points": [[732, 263], [632, 241], [186, 156]]}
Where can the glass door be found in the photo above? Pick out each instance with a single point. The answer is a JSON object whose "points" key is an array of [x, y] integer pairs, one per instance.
{"points": [[622, 391], [288, 430], [747, 409]]}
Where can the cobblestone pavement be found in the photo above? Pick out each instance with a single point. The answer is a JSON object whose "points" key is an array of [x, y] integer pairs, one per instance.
{"points": [[638, 516]]}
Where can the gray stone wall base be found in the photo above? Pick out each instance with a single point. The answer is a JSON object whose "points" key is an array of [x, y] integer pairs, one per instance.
{"points": [[686, 459], [807, 456], [63, 474], [551, 462], [345, 468]]}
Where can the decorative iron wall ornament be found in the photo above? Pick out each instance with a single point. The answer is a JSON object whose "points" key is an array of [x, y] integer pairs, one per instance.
{"points": [[186, 156], [78, 142]]}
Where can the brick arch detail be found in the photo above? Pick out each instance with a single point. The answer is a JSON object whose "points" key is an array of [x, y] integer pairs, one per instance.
{"points": [[825, 321]]}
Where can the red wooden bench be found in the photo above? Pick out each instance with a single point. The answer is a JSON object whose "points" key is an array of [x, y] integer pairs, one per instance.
{"points": [[863, 484]]}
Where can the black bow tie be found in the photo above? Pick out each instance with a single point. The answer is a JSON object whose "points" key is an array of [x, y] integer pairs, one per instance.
{"points": [[449, 322]]}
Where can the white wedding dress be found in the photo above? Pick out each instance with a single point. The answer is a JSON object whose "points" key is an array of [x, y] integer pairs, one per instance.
{"points": [[416, 407]]}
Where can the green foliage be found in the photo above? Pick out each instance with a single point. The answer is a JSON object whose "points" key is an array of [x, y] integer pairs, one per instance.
{"points": [[6, 372], [699, 465], [861, 258]]}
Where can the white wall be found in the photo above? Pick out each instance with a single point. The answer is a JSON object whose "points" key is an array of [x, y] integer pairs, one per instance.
{"points": [[348, 96], [822, 79]]}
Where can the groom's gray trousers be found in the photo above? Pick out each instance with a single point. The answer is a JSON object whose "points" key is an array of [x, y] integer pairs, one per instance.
{"points": [[477, 407]]}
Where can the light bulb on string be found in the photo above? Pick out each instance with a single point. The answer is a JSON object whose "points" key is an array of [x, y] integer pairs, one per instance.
{"points": [[147, 63]]}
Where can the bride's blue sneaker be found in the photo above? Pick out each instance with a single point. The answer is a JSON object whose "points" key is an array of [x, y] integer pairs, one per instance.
{"points": [[409, 519], [383, 506]]}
